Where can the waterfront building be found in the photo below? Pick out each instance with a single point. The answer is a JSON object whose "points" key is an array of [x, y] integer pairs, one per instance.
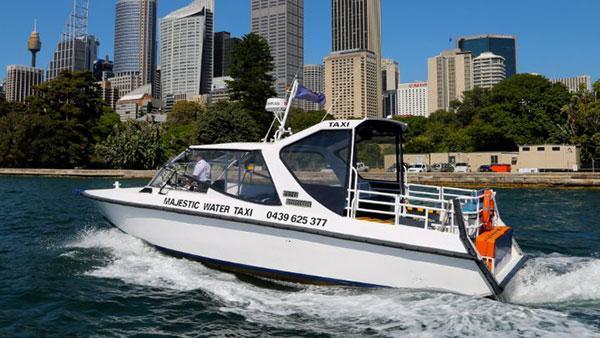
{"points": [[281, 23], [529, 158], [353, 78], [449, 75], [413, 99], [135, 40], [352, 85], [390, 75], [314, 80], [502, 45], [488, 70], [575, 83], [223, 56], [21, 82], [185, 64], [3, 90]]}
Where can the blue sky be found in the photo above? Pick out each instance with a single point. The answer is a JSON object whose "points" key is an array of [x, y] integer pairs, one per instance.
{"points": [[556, 38]]}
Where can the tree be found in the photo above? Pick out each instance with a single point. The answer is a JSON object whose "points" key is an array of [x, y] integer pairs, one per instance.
{"points": [[132, 145], [184, 112], [227, 122], [252, 82]]}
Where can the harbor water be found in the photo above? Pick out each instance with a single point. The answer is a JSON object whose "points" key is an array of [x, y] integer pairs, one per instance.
{"points": [[65, 272]]}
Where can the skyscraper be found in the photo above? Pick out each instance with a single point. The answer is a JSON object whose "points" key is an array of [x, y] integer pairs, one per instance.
{"points": [[185, 64], [135, 40], [76, 50], [356, 49], [450, 74], [488, 70], [224, 44], [390, 73], [503, 45], [21, 82], [314, 80], [281, 23]]}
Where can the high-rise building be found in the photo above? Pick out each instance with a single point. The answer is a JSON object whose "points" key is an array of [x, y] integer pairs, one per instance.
{"points": [[575, 83], [281, 23], [351, 85], [135, 40], [314, 80], [413, 99], [103, 69], [502, 45], [356, 42], [185, 36], [450, 74], [390, 74], [224, 45], [488, 70], [77, 50], [21, 82]]}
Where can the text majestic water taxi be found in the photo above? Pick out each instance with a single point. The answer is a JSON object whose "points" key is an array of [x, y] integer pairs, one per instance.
{"points": [[296, 208]]}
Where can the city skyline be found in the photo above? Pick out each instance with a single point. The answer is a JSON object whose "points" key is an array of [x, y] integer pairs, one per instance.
{"points": [[550, 50]]}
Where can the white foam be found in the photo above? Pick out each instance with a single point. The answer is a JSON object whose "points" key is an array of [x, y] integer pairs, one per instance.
{"points": [[327, 310], [556, 279]]}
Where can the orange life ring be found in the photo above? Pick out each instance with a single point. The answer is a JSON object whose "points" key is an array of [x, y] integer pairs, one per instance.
{"points": [[488, 210]]}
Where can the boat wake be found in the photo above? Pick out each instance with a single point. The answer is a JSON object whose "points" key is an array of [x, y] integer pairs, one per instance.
{"points": [[352, 311], [556, 279]]}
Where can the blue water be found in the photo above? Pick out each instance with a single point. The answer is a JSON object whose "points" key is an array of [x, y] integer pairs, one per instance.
{"points": [[65, 272]]}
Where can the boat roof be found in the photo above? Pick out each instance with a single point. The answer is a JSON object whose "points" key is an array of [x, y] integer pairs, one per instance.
{"points": [[325, 125]]}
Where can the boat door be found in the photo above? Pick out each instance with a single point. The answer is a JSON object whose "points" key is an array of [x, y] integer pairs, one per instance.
{"points": [[377, 160]]}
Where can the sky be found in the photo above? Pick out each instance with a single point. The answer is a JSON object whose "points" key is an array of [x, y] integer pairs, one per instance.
{"points": [[557, 38]]}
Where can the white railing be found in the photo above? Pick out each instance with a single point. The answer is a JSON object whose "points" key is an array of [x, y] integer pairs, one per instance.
{"points": [[420, 203]]}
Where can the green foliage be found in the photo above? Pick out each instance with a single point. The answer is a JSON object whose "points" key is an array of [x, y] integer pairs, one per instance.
{"points": [[525, 109], [132, 145], [184, 112], [227, 122], [55, 129], [252, 82], [300, 120]]}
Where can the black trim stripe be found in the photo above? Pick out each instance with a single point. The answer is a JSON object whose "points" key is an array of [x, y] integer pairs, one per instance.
{"points": [[352, 238], [496, 288]]}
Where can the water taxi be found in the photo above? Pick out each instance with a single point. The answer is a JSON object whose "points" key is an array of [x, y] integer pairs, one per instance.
{"points": [[296, 208]]}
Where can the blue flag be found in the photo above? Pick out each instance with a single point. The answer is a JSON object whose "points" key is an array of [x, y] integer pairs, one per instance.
{"points": [[306, 94]]}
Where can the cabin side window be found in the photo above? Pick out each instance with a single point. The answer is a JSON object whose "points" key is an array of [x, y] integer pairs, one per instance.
{"points": [[240, 174], [320, 163]]}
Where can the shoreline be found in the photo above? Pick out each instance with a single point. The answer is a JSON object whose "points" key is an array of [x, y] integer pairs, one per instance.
{"points": [[569, 180]]}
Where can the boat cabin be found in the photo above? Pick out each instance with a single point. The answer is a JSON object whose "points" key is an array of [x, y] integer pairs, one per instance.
{"points": [[326, 160]]}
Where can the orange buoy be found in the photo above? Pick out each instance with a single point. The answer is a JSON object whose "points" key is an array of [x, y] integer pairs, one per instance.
{"points": [[487, 217]]}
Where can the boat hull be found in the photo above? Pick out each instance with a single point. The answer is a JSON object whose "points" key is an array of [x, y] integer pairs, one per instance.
{"points": [[291, 255]]}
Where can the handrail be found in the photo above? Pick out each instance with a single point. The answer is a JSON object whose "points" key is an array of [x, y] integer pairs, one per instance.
{"points": [[401, 206]]}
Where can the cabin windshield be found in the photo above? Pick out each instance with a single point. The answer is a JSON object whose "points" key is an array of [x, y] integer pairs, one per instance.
{"points": [[240, 174]]}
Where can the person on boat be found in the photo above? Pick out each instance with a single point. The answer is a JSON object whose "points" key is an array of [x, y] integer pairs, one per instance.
{"points": [[202, 174]]}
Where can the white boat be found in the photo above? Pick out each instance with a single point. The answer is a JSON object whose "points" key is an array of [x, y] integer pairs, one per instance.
{"points": [[296, 208]]}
